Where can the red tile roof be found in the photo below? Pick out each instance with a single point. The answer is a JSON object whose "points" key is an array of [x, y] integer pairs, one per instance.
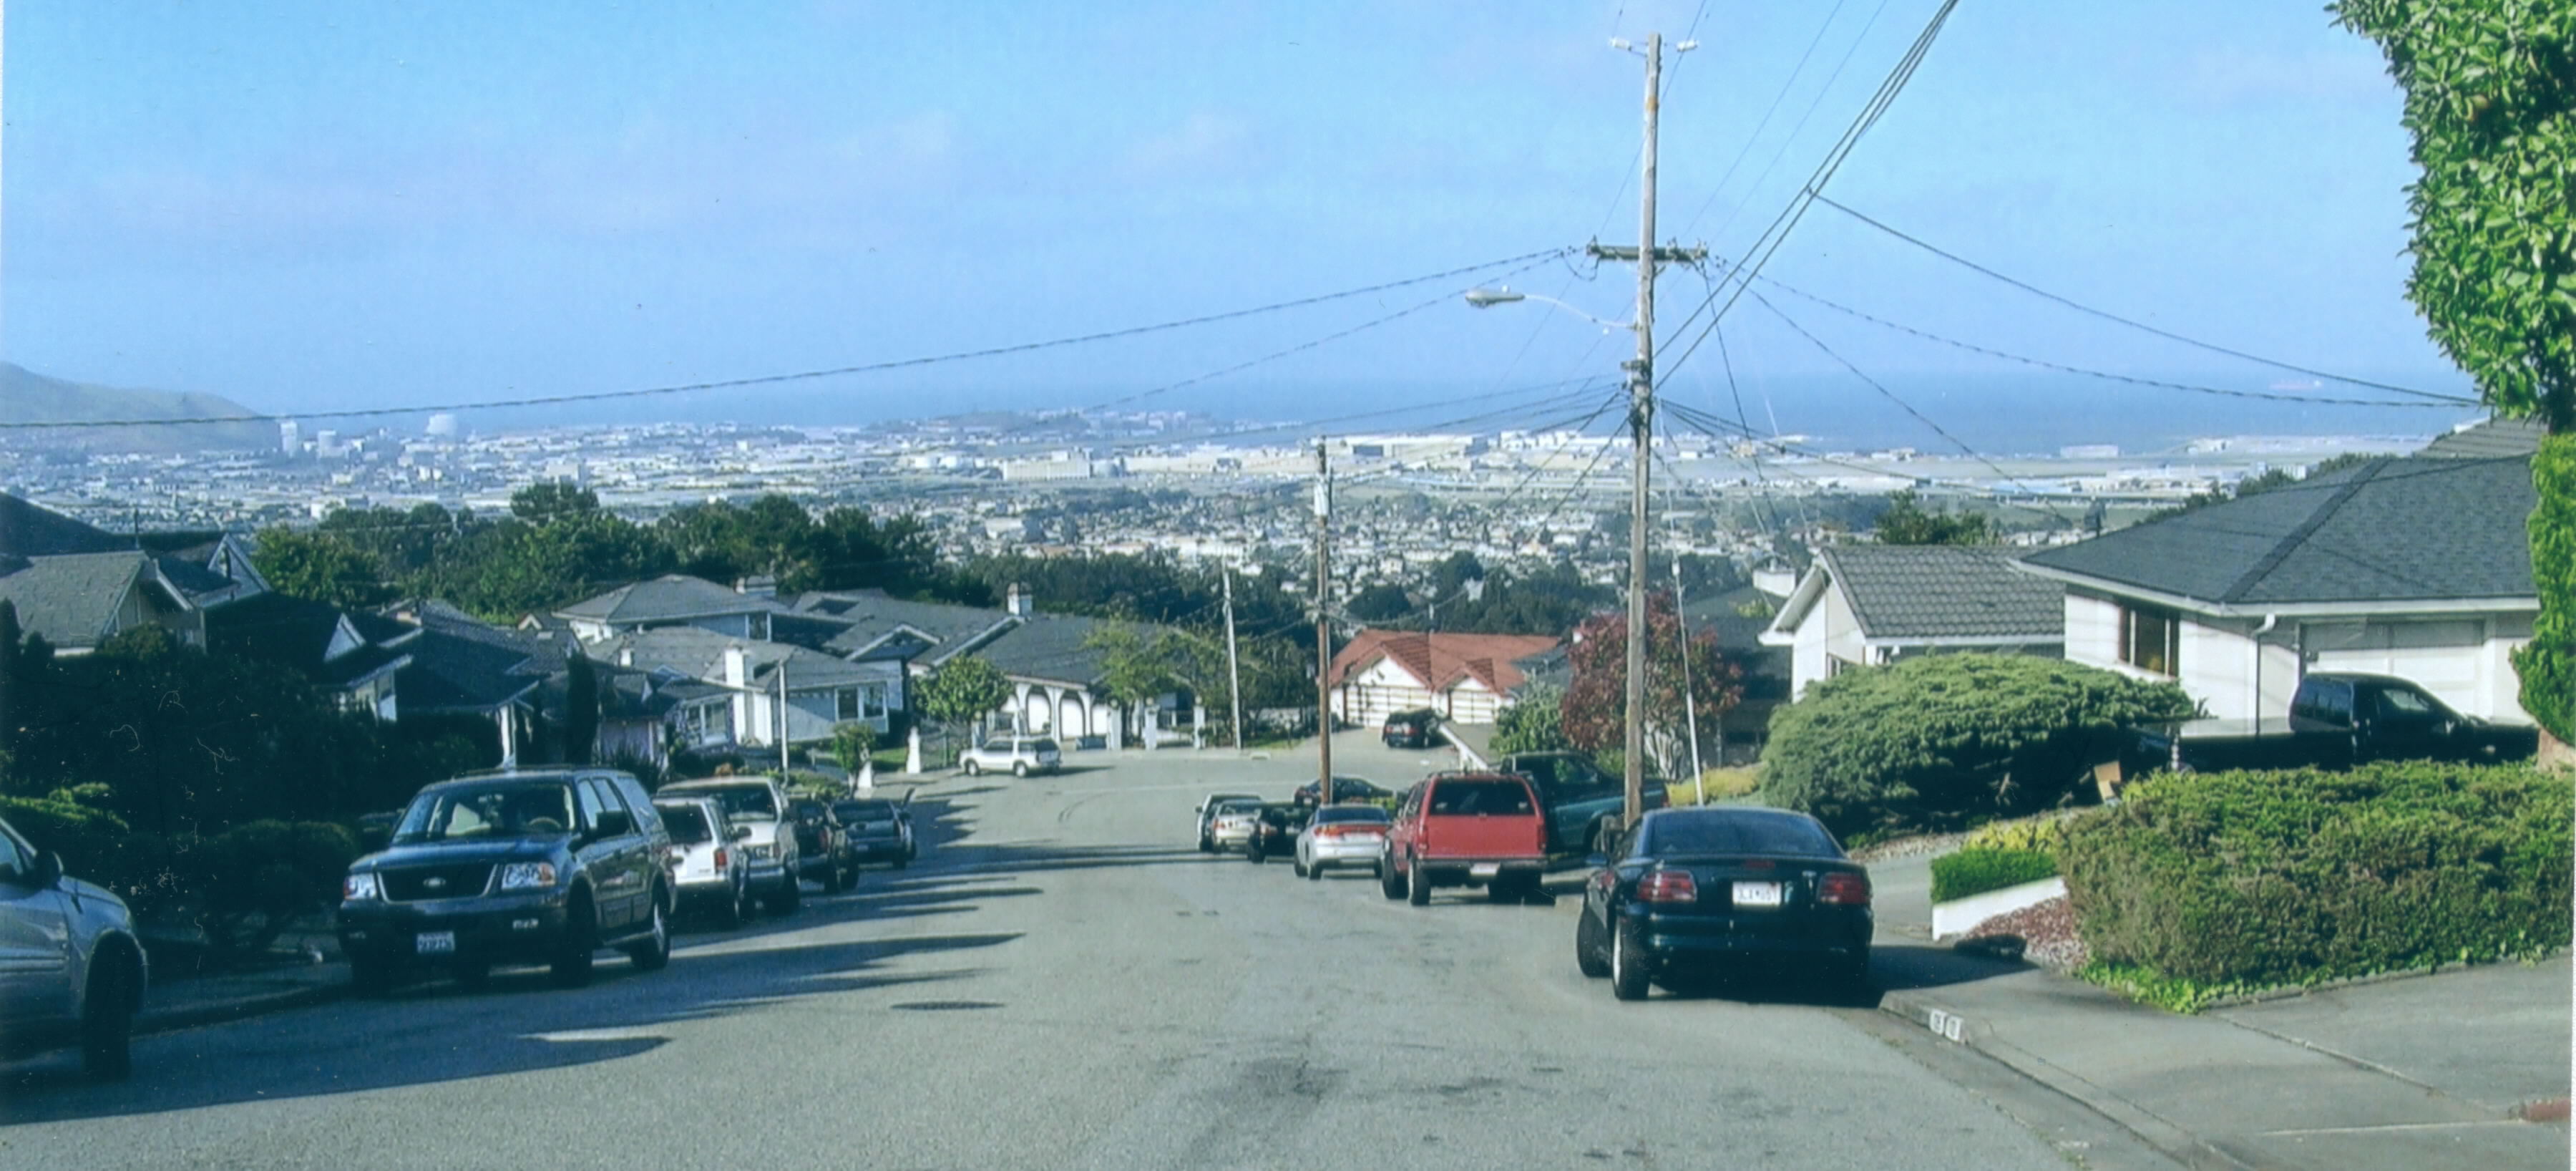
{"points": [[1439, 660]]}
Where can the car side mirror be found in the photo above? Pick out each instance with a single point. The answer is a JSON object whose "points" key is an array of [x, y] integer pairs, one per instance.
{"points": [[741, 833], [612, 823]]}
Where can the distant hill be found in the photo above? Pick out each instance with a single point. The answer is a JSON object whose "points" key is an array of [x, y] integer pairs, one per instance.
{"points": [[29, 397]]}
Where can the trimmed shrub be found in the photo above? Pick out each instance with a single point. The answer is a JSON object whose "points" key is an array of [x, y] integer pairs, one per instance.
{"points": [[255, 879], [87, 838], [1974, 872], [2267, 878], [2041, 833]]}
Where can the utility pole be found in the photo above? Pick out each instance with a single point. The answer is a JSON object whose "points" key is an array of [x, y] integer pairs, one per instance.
{"points": [[1641, 415], [1233, 671], [782, 719], [1690, 700], [1323, 624]]}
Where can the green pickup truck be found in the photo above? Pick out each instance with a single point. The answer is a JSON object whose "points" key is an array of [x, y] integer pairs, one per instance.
{"points": [[1579, 798]]}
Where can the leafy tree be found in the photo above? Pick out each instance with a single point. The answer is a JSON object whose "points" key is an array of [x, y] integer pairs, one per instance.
{"points": [[320, 566], [1535, 724], [966, 689], [853, 744], [1908, 522], [1139, 666], [1379, 603], [1594, 710], [2491, 101], [1943, 741], [548, 501], [581, 708]]}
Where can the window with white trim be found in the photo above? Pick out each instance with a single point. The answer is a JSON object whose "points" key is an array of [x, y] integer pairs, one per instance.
{"points": [[2151, 639]]}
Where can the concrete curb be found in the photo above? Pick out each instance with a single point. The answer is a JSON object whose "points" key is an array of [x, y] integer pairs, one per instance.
{"points": [[213, 1012], [2165, 1136], [2296, 991]]}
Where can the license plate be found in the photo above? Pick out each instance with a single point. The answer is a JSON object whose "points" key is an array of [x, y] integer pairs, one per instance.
{"points": [[1757, 894], [1485, 869], [434, 942]]}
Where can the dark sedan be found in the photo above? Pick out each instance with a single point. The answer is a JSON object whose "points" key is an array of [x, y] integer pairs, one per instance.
{"points": [[1344, 789], [1690, 893], [878, 831]]}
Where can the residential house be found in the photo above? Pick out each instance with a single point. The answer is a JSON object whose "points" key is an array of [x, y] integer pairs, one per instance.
{"points": [[1870, 605], [740, 683], [461, 665], [671, 600], [355, 657], [79, 600], [2418, 567], [1467, 678]]}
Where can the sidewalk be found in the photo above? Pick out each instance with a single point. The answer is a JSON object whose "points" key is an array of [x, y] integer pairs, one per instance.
{"points": [[2413, 1072], [204, 1000]]}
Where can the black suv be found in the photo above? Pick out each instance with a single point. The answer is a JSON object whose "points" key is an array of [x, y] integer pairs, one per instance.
{"points": [[823, 846], [1419, 728], [540, 866]]}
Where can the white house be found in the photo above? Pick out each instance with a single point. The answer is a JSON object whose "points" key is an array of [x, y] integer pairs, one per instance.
{"points": [[2417, 567], [1870, 605], [1467, 678]]}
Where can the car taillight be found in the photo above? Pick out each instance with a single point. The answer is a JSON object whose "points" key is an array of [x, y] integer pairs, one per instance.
{"points": [[1843, 888], [1668, 886]]}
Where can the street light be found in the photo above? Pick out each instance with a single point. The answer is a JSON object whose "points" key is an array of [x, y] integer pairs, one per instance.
{"points": [[1505, 294]]}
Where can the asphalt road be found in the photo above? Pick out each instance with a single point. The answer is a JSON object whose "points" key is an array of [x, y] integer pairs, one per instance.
{"points": [[1061, 982]]}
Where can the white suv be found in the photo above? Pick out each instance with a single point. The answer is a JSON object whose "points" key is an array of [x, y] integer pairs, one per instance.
{"points": [[71, 971], [760, 805], [1019, 755]]}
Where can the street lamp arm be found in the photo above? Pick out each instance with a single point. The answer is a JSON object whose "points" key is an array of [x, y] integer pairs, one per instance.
{"points": [[1488, 298]]}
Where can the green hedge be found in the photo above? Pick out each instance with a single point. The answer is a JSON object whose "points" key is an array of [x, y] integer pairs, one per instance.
{"points": [[1974, 872], [2271, 878]]}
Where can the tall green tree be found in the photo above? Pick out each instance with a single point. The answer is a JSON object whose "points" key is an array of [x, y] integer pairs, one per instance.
{"points": [[1908, 522], [581, 708], [966, 689], [2491, 102], [320, 566]]}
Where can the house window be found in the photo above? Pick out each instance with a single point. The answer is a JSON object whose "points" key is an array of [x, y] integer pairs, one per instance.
{"points": [[845, 704], [2151, 640]]}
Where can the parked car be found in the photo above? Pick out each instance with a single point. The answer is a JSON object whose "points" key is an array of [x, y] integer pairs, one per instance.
{"points": [[1419, 728], [1344, 789], [1207, 817], [879, 831], [1692, 891], [72, 972], [1016, 755], [757, 804], [1462, 829], [538, 866], [2337, 719], [1274, 830], [708, 870], [822, 847], [1341, 835], [1231, 825], [1583, 803]]}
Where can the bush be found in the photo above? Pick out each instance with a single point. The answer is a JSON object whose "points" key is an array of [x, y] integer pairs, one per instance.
{"points": [[254, 879], [1718, 784], [1976, 871], [2267, 878], [2041, 833], [88, 839], [1945, 741]]}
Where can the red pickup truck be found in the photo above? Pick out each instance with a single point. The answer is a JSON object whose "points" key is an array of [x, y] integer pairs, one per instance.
{"points": [[1465, 829]]}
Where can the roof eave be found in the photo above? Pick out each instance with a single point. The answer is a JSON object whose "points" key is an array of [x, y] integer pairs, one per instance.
{"points": [[2218, 609]]}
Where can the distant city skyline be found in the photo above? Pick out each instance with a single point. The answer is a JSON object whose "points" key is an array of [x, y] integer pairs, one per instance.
{"points": [[306, 206]]}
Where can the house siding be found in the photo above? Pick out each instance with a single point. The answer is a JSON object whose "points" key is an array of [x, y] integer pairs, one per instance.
{"points": [[1368, 697], [1831, 632]]}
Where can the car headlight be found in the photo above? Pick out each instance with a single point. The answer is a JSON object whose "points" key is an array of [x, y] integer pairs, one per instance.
{"points": [[360, 884], [527, 875]]}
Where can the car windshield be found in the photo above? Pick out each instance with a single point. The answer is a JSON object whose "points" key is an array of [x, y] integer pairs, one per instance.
{"points": [[743, 802], [1713, 832], [864, 810], [687, 823], [487, 811], [1336, 813], [1467, 798]]}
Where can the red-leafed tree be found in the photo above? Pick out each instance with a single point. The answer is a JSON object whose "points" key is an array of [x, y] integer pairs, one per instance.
{"points": [[1595, 707]]}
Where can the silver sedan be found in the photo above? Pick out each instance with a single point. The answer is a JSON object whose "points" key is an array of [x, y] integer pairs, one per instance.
{"points": [[1341, 835]]}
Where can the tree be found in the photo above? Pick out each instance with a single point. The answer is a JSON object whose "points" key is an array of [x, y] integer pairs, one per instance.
{"points": [[581, 708], [2491, 102], [1137, 666], [1379, 603], [1943, 741], [548, 501], [852, 745], [1534, 724], [966, 689], [1594, 710], [321, 567], [1907, 522]]}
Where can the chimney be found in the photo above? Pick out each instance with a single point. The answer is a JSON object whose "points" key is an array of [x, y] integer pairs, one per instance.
{"points": [[1018, 601], [762, 586], [736, 672]]}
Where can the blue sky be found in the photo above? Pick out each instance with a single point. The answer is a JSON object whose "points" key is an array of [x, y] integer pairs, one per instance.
{"points": [[309, 204]]}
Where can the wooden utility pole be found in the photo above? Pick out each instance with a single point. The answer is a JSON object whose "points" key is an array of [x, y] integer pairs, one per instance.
{"points": [[1233, 670], [1641, 417], [1690, 700], [782, 719], [1323, 624]]}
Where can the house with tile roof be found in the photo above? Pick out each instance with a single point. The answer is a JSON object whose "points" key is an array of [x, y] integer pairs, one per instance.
{"points": [[1870, 605], [1467, 678], [2418, 567]]}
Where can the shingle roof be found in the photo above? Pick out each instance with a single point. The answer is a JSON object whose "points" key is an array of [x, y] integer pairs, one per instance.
{"points": [[1944, 591], [668, 598], [33, 530], [1050, 647], [2393, 530], [71, 599], [870, 617], [297, 633], [2488, 439], [1439, 660], [450, 672], [700, 654]]}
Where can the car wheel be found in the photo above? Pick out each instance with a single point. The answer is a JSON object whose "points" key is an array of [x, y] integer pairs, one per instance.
{"points": [[571, 967], [654, 952], [1417, 885], [903, 859], [973, 769], [107, 1020], [1252, 852], [831, 880], [1021, 771], [1314, 872], [1389, 882], [1206, 846], [1627, 974], [729, 916], [1587, 947], [370, 978]]}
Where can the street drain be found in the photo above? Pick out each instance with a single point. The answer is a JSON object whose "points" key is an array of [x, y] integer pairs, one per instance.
{"points": [[944, 1005]]}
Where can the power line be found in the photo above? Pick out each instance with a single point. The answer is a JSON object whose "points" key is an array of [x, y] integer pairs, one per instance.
{"points": [[1755, 139], [2444, 401], [837, 371], [2106, 315]]}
